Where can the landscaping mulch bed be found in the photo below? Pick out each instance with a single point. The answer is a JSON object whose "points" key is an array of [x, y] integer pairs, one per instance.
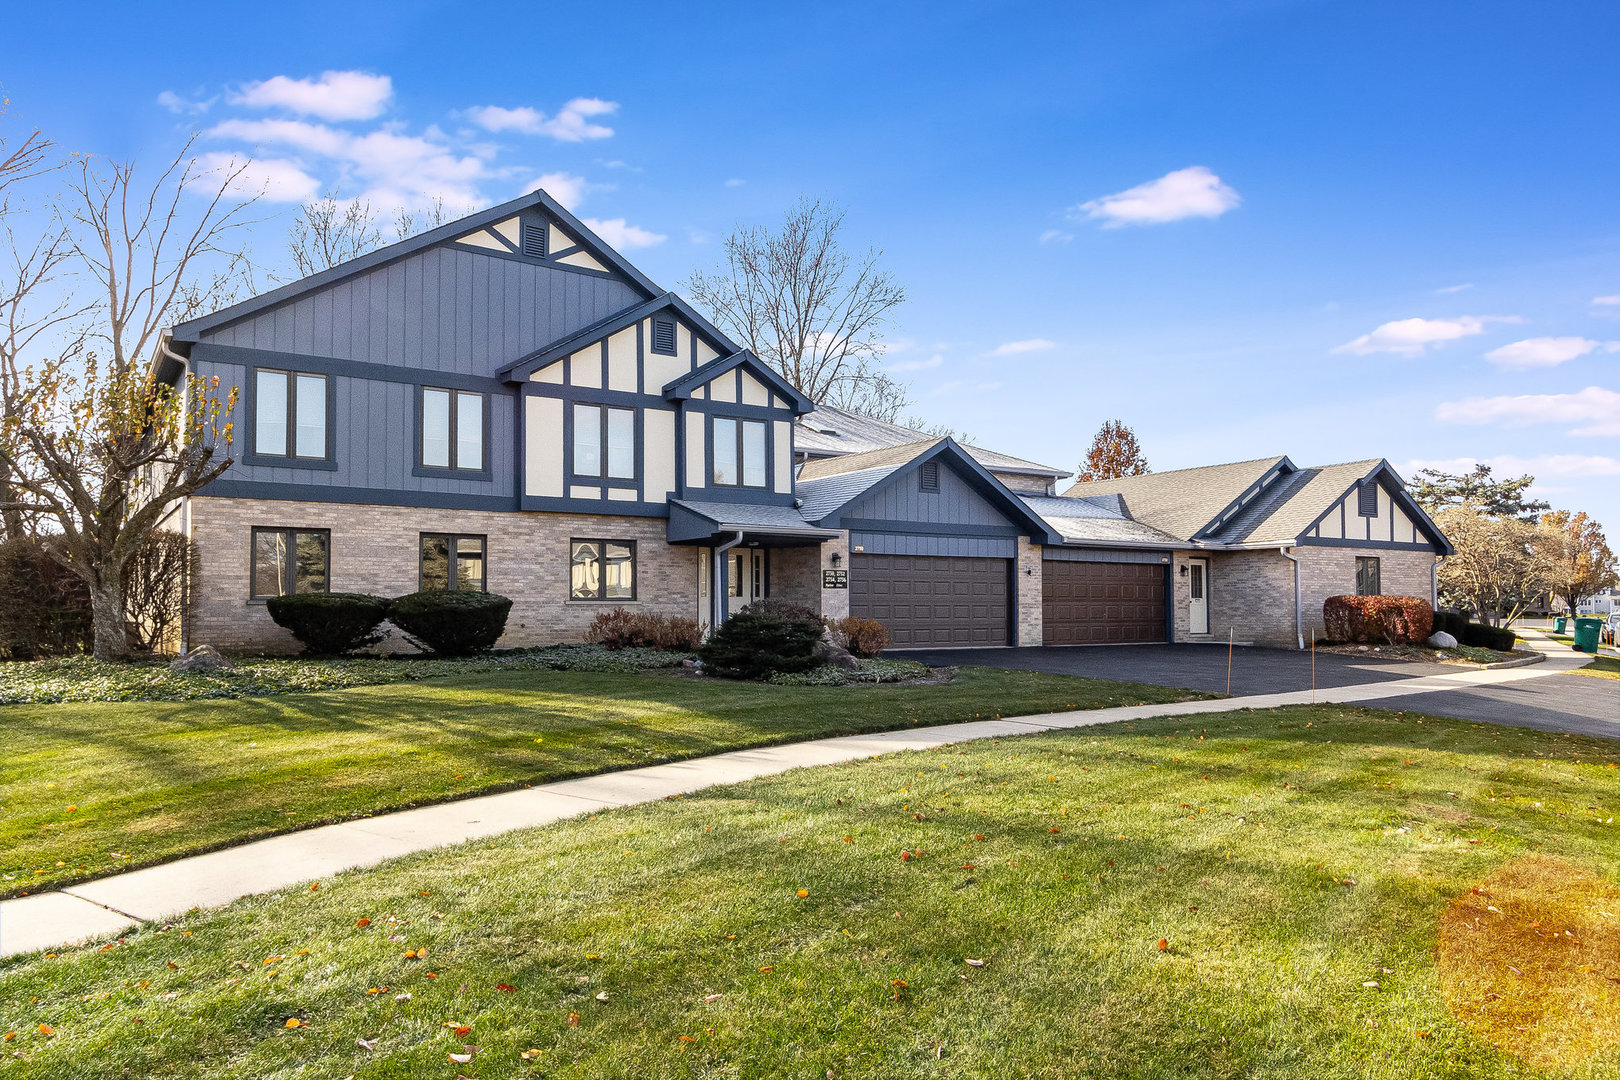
{"points": [[1463, 655]]}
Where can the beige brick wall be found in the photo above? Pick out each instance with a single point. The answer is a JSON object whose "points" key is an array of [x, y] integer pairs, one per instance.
{"points": [[1029, 592], [796, 576], [1251, 593], [375, 550], [1331, 571], [834, 602]]}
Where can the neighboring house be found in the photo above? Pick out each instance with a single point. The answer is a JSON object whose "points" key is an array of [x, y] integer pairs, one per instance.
{"points": [[1599, 603], [505, 403], [1259, 545]]}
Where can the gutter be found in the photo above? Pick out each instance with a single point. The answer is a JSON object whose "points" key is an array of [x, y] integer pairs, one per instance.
{"points": [[1299, 609], [719, 587]]}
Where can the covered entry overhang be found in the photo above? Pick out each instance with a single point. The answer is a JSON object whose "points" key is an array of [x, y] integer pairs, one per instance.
{"points": [[729, 531]]}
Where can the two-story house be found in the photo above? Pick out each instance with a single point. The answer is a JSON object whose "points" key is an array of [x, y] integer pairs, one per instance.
{"points": [[505, 403]]}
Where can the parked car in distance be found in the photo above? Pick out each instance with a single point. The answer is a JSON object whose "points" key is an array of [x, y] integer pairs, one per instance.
{"points": [[1610, 633]]}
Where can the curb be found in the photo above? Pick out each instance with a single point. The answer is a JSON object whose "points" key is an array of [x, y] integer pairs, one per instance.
{"points": [[1523, 661]]}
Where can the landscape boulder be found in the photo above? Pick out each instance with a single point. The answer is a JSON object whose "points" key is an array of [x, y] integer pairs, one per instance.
{"points": [[1441, 640], [201, 659], [828, 654]]}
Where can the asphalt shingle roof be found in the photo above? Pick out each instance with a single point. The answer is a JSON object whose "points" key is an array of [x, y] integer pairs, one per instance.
{"points": [[829, 432], [868, 459], [1283, 512], [1182, 501], [747, 515], [1093, 520]]}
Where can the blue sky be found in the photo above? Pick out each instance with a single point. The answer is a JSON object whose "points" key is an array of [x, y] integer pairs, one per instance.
{"points": [[1329, 230]]}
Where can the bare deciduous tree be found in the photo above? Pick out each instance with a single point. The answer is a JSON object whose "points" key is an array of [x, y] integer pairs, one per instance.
{"points": [[410, 222], [1114, 453], [809, 308], [330, 230], [95, 443], [1498, 569]]}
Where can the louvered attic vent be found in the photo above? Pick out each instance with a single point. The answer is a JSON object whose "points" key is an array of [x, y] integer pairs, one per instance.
{"points": [[534, 239], [929, 476], [663, 337], [1369, 499]]}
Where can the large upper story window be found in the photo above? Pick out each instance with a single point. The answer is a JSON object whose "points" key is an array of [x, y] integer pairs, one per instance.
{"points": [[287, 561], [452, 429], [739, 452], [605, 442], [289, 414]]}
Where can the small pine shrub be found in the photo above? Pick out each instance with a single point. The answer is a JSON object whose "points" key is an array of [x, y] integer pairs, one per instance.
{"points": [[764, 639], [1480, 636], [331, 624], [451, 623], [863, 637], [1389, 620], [620, 629]]}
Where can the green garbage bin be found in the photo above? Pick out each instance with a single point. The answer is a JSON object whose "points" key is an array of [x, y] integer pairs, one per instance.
{"points": [[1586, 634], [1558, 624]]}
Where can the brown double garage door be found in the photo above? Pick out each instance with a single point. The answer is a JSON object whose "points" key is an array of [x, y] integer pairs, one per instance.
{"points": [[933, 601], [1101, 603]]}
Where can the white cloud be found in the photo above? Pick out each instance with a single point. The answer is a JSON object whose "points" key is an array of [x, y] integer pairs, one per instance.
{"points": [[1029, 345], [571, 124], [566, 188], [182, 106], [1607, 301], [735, 182], [1410, 337], [392, 167], [336, 95], [918, 365], [1546, 351], [1056, 236], [273, 179], [1464, 287], [622, 236], [1595, 409], [1539, 466], [1184, 193]]}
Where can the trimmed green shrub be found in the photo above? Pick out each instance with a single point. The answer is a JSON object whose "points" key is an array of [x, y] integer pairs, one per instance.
{"points": [[1481, 636], [863, 637], [451, 623], [1391, 620], [44, 607], [1451, 622], [763, 639], [331, 624], [620, 629]]}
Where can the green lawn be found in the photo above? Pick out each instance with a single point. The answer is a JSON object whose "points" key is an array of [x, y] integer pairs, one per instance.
{"points": [[1603, 667], [1286, 858], [88, 789]]}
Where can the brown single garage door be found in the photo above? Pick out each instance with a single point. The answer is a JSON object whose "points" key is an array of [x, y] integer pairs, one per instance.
{"points": [[1097, 603], [932, 601]]}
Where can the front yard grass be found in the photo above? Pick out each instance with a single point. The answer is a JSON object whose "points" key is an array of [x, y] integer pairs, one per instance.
{"points": [[1602, 667], [1251, 894], [90, 789]]}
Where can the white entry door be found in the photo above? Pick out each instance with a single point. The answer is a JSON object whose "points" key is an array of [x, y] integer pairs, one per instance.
{"points": [[745, 578], [1198, 596]]}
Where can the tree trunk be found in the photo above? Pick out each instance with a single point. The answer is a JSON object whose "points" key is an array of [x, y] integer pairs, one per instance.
{"points": [[107, 614]]}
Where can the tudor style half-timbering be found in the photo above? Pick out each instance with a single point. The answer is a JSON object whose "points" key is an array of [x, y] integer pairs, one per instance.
{"points": [[505, 403]]}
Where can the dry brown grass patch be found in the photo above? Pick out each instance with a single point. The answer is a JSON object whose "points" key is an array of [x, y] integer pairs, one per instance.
{"points": [[1531, 963]]}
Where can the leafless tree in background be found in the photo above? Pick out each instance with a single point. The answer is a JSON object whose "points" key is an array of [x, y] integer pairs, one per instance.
{"points": [[808, 308], [328, 231], [410, 222]]}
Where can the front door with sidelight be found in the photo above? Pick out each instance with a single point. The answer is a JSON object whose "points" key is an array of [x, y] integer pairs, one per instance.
{"points": [[745, 578], [1198, 596]]}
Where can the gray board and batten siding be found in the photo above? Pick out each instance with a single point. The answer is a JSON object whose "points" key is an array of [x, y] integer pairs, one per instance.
{"points": [[899, 518], [442, 316]]}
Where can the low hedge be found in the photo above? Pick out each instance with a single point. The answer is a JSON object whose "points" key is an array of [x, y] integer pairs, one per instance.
{"points": [[767, 638], [451, 623], [331, 624], [1392, 620], [620, 629], [1451, 622], [1481, 636]]}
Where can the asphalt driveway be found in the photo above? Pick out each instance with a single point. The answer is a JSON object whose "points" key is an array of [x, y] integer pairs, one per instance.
{"points": [[1566, 702]]}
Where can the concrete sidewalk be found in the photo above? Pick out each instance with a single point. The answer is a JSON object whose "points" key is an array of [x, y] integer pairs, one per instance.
{"points": [[109, 905]]}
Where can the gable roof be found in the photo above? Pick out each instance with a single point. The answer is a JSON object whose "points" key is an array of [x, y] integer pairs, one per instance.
{"points": [[837, 482], [192, 329], [834, 432], [684, 386], [1188, 503], [1294, 504], [520, 369], [1100, 520]]}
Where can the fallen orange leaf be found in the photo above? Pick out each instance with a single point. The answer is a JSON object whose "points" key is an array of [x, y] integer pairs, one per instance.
{"points": [[362, 923], [505, 988], [46, 1029], [1164, 945], [292, 1022], [803, 893]]}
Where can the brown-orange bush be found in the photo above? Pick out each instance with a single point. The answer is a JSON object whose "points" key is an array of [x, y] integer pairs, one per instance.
{"points": [[636, 629], [863, 637], [1390, 620]]}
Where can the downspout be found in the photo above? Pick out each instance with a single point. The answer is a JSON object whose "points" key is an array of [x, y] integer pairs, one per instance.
{"points": [[721, 587], [1299, 603]]}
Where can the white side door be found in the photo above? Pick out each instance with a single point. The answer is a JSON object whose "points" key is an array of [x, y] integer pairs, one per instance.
{"points": [[1198, 596]]}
